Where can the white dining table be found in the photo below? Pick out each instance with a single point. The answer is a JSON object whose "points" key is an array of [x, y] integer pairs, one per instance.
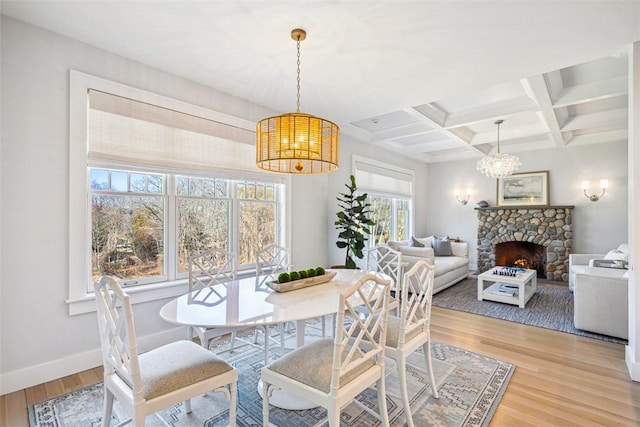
{"points": [[249, 302]]}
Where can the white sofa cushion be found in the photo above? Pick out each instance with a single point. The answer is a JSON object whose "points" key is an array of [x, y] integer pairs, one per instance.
{"points": [[448, 263], [605, 272], [414, 251], [460, 249]]}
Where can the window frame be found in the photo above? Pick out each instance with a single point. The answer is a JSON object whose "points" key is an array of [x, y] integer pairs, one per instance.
{"points": [[394, 172], [79, 300]]}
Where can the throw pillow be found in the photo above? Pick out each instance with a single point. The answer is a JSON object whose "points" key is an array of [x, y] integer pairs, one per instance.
{"points": [[415, 243], [441, 247], [426, 241], [616, 254]]}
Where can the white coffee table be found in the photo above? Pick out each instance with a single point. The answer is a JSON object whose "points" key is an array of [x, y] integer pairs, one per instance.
{"points": [[515, 290]]}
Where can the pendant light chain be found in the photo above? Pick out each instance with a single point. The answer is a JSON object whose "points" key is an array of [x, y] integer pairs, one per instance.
{"points": [[498, 122], [298, 87]]}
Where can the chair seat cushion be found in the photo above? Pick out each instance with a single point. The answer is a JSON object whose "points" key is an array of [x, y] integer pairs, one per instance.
{"points": [[393, 332], [311, 365], [177, 365]]}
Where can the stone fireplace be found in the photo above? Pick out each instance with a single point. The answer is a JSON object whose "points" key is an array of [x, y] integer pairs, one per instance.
{"points": [[537, 237]]}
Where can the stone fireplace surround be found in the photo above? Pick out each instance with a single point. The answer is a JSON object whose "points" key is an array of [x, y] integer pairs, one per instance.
{"points": [[548, 226]]}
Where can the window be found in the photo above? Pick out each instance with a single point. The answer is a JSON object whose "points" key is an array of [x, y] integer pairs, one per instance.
{"points": [[127, 225], [391, 216], [203, 210], [390, 191], [130, 219], [153, 180]]}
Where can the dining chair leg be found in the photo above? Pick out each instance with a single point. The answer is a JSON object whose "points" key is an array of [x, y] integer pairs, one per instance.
{"points": [[265, 403], [426, 347], [187, 406], [333, 416], [382, 401], [233, 402], [402, 376], [282, 330], [266, 345], [108, 408]]}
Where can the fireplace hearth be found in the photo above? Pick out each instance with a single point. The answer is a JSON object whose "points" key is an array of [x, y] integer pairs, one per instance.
{"points": [[543, 236]]}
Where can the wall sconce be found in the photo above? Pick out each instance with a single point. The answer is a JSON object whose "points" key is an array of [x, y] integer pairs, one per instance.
{"points": [[463, 199], [604, 184]]}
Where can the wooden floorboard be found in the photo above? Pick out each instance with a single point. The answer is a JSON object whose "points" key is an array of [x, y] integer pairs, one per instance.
{"points": [[560, 379]]}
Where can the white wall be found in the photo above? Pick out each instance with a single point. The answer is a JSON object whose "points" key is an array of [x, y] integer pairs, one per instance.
{"points": [[597, 226]]}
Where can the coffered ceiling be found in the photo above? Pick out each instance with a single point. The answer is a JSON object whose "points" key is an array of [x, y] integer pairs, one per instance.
{"points": [[426, 79]]}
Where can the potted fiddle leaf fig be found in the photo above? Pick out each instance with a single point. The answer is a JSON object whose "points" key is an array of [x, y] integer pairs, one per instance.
{"points": [[353, 223]]}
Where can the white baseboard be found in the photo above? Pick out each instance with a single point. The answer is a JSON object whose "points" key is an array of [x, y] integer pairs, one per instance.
{"points": [[633, 367], [34, 375]]}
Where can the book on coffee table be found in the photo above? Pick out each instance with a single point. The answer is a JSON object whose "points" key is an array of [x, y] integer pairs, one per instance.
{"points": [[505, 289]]}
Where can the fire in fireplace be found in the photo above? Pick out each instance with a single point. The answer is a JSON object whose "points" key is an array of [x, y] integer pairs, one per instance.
{"points": [[522, 255]]}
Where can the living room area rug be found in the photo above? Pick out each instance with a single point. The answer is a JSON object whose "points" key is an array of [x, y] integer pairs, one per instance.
{"points": [[470, 386], [551, 307]]}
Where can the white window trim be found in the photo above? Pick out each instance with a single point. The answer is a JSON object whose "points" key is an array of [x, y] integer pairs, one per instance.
{"points": [[79, 300]]}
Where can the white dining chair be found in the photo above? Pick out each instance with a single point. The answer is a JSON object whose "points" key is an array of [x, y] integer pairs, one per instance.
{"points": [[332, 372], [160, 378], [207, 270], [411, 329], [385, 260], [270, 262]]}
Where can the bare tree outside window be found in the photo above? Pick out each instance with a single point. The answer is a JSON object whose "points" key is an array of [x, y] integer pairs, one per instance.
{"points": [[130, 220], [391, 216]]}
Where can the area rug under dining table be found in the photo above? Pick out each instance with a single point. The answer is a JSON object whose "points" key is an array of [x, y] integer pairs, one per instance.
{"points": [[470, 386]]}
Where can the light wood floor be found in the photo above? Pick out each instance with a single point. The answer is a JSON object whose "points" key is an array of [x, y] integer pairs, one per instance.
{"points": [[560, 379]]}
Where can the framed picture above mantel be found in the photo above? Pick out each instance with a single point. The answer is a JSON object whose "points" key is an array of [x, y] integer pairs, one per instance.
{"points": [[524, 189]]}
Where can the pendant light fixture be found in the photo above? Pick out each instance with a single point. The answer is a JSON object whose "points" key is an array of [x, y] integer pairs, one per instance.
{"points": [[297, 142], [498, 165]]}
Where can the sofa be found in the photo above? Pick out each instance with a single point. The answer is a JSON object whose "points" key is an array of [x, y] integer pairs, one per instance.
{"points": [[449, 256], [578, 263]]}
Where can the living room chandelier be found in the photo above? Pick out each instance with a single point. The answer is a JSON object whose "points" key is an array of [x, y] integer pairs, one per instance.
{"points": [[498, 165], [297, 142]]}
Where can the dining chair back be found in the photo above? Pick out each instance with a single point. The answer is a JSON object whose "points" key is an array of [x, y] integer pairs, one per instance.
{"points": [[270, 261], [209, 271], [332, 372], [160, 378], [385, 260], [411, 329], [211, 267]]}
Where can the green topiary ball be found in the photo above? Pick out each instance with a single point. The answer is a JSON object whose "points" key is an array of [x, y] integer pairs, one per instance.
{"points": [[294, 275], [319, 271], [303, 274], [311, 272], [284, 278]]}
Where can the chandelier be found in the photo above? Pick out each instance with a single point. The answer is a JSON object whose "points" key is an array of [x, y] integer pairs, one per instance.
{"points": [[498, 165], [297, 142]]}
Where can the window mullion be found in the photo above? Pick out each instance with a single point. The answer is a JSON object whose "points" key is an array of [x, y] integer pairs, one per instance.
{"points": [[171, 230]]}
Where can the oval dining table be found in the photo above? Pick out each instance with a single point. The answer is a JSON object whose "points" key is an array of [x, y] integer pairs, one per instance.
{"points": [[250, 302]]}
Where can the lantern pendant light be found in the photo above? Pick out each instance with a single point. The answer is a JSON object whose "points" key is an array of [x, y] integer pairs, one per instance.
{"points": [[297, 143]]}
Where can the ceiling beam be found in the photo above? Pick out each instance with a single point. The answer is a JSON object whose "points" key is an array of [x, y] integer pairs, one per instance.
{"points": [[538, 89]]}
